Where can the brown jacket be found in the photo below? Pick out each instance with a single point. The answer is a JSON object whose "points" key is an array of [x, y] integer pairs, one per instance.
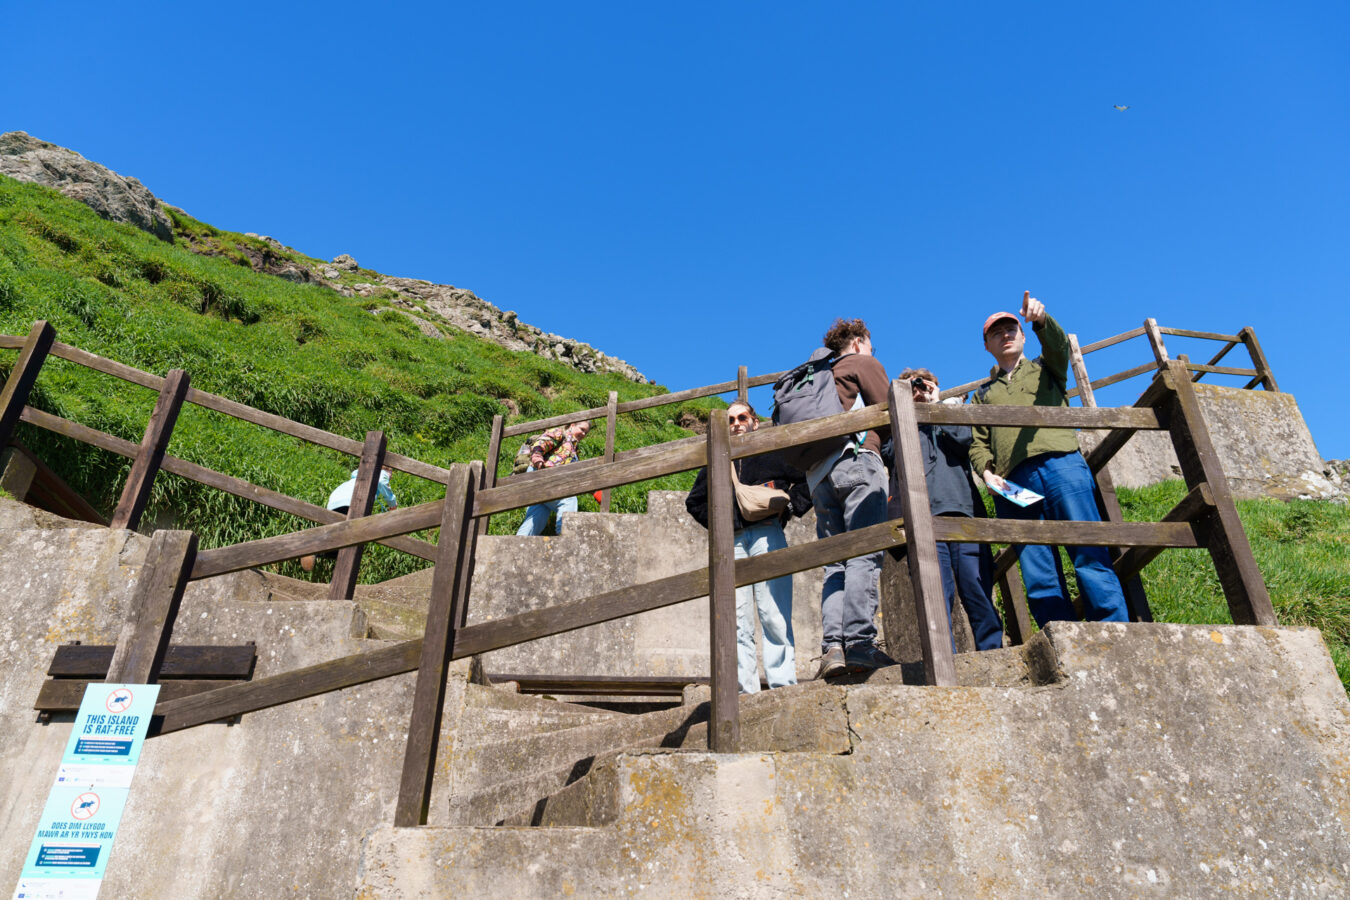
{"points": [[858, 374]]}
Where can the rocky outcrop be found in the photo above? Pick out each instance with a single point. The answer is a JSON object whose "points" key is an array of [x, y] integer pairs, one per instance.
{"points": [[114, 197]]}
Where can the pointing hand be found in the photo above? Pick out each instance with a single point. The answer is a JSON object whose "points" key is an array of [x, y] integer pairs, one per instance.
{"points": [[1033, 310]]}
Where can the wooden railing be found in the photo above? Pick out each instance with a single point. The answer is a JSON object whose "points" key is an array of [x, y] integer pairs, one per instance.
{"points": [[1206, 518], [1259, 374]]}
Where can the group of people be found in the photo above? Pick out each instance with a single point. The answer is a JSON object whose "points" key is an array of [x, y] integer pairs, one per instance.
{"points": [[848, 486]]}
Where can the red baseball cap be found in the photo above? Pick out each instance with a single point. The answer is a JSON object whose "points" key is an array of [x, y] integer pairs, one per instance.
{"points": [[988, 323]]}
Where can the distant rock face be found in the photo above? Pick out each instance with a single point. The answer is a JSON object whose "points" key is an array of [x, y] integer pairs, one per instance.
{"points": [[112, 196]]}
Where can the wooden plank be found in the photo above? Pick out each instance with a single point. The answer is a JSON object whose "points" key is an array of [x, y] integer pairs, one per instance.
{"points": [[1218, 356], [144, 640], [419, 758], [22, 377], [1114, 339], [1207, 335], [620, 685], [491, 463], [1124, 376], [1155, 342], [724, 721], [91, 661], [939, 664], [315, 540], [1219, 370], [65, 695], [619, 456], [244, 413], [1196, 506], [49, 491], [743, 384], [961, 390], [1080, 375], [1078, 534], [1095, 417], [468, 553], [1259, 358], [1016, 615], [1243, 587], [611, 429], [663, 592], [348, 565], [336, 674], [11, 342], [150, 454], [538, 425], [211, 478]]}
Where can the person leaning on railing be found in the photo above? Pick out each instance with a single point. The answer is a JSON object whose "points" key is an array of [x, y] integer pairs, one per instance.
{"points": [[772, 598], [1045, 460], [340, 500], [555, 447]]}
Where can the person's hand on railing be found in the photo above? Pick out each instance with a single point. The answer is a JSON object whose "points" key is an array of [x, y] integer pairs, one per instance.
{"points": [[1033, 310]]}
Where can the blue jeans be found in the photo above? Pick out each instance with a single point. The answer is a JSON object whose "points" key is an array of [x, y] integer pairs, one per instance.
{"points": [[536, 517], [852, 496], [970, 567], [1070, 492], [773, 600]]}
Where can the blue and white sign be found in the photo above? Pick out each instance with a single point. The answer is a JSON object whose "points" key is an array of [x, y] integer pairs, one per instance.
{"points": [[75, 835]]}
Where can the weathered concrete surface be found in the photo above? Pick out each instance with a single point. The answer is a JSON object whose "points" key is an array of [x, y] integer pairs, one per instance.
{"points": [[276, 805], [1168, 761], [1265, 446]]}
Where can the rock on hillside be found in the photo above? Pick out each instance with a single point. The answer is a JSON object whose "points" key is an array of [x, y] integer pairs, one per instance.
{"points": [[112, 196], [435, 308]]}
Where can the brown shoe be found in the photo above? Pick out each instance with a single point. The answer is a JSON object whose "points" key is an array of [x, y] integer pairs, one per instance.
{"points": [[832, 662], [307, 563]]}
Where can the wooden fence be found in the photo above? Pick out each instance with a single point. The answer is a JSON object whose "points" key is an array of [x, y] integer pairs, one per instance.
{"points": [[1205, 518]]}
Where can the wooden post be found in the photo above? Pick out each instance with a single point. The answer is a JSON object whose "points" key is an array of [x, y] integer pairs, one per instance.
{"points": [[1080, 375], [493, 460], [743, 384], [1016, 617], [724, 724], [136, 492], [1222, 532], [611, 426], [477, 475], [343, 585], [453, 555], [19, 384], [1155, 341], [154, 606], [1259, 361], [939, 666]]}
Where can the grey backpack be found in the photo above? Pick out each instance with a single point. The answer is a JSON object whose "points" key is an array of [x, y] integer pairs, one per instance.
{"points": [[805, 393]]}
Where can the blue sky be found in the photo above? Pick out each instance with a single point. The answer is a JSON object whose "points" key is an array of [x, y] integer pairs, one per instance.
{"points": [[695, 186]]}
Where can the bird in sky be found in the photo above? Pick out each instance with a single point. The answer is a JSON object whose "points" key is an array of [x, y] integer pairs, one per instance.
{"points": [[1119, 108]]}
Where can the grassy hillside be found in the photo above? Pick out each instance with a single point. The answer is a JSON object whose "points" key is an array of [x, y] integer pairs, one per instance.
{"points": [[305, 352]]}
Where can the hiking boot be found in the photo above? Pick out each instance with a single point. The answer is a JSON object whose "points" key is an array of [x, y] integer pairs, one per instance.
{"points": [[861, 657], [832, 662]]}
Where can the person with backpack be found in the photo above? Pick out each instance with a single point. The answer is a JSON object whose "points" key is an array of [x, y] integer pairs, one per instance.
{"points": [[777, 490], [1045, 460], [555, 447], [847, 480]]}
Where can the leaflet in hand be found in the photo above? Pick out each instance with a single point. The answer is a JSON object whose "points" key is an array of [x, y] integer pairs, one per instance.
{"points": [[1017, 494]]}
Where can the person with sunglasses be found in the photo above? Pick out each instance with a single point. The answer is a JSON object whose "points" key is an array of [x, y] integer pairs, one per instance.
{"points": [[771, 599]]}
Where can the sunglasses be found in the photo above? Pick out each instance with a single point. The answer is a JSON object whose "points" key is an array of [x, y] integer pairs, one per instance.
{"points": [[742, 419]]}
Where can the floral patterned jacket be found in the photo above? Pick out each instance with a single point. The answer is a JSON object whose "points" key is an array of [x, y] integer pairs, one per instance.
{"points": [[556, 446]]}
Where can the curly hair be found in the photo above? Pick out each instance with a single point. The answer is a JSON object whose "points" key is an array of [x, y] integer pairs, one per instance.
{"points": [[842, 333], [907, 374]]}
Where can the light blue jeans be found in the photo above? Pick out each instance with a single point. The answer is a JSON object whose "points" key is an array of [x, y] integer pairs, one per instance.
{"points": [[773, 600], [536, 517]]}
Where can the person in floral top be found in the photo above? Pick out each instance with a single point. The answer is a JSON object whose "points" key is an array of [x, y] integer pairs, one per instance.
{"points": [[555, 447]]}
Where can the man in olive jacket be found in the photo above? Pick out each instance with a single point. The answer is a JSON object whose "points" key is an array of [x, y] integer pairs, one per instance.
{"points": [[1047, 461]]}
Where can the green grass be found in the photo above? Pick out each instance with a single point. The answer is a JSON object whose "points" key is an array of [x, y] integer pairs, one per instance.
{"points": [[1302, 548], [346, 365]]}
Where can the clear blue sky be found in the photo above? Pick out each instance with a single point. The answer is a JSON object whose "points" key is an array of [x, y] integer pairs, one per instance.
{"points": [[696, 186]]}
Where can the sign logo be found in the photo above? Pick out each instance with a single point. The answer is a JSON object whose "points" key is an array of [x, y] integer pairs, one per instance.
{"points": [[119, 701], [84, 806]]}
